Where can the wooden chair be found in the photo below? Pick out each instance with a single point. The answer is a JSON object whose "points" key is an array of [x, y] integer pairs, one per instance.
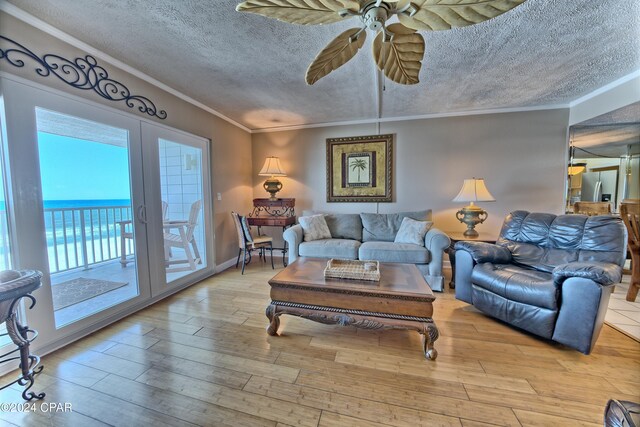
{"points": [[126, 232], [247, 243], [183, 239], [592, 208], [630, 213]]}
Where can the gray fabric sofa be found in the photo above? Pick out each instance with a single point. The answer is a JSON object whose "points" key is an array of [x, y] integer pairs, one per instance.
{"points": [[549, 275], [371, 237]]}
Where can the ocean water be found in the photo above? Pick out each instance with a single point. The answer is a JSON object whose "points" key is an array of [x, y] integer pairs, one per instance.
{"points": [[59, 204], [69, 244]]}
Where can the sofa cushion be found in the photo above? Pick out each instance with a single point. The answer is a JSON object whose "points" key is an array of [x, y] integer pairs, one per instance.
{"points": [[384, 227], [538, 320], [517, 283], [330, 248], [394, 252], [341, 226], [314, 227], [412, 231]]}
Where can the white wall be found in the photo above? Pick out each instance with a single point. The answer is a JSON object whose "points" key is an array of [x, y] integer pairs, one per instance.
{"points": [[521, 156]]}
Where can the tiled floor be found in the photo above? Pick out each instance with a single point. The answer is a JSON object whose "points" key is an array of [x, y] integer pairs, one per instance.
{"points": [[622, 314]]}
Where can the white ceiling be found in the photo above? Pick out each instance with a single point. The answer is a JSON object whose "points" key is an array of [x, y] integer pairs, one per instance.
{"points": [[251, 69]]}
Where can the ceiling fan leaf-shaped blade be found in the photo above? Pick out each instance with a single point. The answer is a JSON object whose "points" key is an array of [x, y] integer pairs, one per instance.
{"points": [[401, 58], [303, 12], [447, 14], [353, 5], [335, 54]]}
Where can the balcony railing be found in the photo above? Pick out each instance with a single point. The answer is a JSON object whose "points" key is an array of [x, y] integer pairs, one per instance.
{"points": [[83, 236]]}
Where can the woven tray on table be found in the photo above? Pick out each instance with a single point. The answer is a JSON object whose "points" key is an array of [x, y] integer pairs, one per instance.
{"points": [[353, 269]]}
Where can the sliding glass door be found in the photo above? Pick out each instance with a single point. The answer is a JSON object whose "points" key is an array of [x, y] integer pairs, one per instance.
{"points": [[77, 188], [87, 204], [115, 211], [5, 237], [178, 167]]}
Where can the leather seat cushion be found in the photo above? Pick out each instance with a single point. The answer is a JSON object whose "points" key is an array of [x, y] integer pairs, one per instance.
{"points": [[330, 248], [517, 283], [394, 252], [537, 320]]}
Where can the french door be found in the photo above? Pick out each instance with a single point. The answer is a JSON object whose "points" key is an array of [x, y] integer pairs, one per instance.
{"points": [[178, 174], [115, 211]]}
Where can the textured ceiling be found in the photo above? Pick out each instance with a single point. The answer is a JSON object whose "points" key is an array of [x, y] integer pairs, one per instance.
{"points": [[250, 68]]}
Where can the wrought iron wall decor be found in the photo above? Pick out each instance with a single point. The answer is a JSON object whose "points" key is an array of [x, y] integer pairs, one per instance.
{"points": [[80, 73]]}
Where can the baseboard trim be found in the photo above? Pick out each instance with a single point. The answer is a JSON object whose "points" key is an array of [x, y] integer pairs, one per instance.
{"points": [[227, 264]]}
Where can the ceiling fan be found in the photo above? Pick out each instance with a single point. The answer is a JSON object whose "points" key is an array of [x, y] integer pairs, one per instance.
{"points": [[398, 48]]}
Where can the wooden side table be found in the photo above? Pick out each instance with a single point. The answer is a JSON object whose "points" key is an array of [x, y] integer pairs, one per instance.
{"points": [[273, 213], [458, 236]]}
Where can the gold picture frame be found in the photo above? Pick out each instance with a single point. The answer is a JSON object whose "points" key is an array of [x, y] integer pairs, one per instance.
{"points": [[359, 169]]}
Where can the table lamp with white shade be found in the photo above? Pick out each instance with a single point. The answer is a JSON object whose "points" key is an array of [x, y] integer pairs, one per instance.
{"points": [[272, 168], [473, 190]]}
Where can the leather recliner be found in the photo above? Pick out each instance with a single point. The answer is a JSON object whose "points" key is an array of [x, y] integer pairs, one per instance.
{"points": [[551, 275]]}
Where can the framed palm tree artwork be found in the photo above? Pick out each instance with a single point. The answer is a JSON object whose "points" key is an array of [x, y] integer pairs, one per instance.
{"points": [[359, 169]]}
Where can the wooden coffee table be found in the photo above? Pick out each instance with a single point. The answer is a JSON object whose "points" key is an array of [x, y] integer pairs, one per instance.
{"points": [[401, 299]]}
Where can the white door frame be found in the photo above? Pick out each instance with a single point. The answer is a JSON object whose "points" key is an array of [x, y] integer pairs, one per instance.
{"points": [[150, 145]]}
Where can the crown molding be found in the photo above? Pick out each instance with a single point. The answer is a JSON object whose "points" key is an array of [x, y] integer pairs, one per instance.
{"points": [[605, 88], [27, 18], [408, 118]]}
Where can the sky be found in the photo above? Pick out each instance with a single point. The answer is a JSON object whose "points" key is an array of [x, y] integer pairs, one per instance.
{"points": [[75, 169]]}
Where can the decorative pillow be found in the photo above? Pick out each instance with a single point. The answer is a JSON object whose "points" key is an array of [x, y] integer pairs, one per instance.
{"points": [[412, 231], [341, 226], [314, 227], [246, 228]]}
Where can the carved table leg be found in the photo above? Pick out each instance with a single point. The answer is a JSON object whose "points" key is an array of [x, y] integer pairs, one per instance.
{"points": [[274, 320], [429, 336]]}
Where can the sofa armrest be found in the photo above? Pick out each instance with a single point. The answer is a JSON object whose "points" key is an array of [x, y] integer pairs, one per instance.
{"points": [[604, 273], [485, 252], [436, 240], [293, 237], [436, 243]]}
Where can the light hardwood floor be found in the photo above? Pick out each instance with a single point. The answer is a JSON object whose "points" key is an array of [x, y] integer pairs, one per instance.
{"points": [[202, 357]]}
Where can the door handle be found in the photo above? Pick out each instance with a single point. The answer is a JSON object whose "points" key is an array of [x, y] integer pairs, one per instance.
{"points": [[142, 214]]}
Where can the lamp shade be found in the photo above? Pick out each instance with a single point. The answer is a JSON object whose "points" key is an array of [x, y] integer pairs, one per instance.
{"points": [[272, 167], [474, 190]]}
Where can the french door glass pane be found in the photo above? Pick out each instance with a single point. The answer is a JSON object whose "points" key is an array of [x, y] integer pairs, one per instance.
{"points": [[182, 201], [86, 188]]}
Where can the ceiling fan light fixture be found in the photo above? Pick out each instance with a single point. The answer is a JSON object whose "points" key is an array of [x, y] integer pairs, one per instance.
{"points": [[398, 49], [374, 16]]}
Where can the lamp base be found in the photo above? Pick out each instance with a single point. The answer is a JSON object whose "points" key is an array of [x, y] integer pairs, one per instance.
{"points": [[471, 215], [272, 186], [470, 232]]}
